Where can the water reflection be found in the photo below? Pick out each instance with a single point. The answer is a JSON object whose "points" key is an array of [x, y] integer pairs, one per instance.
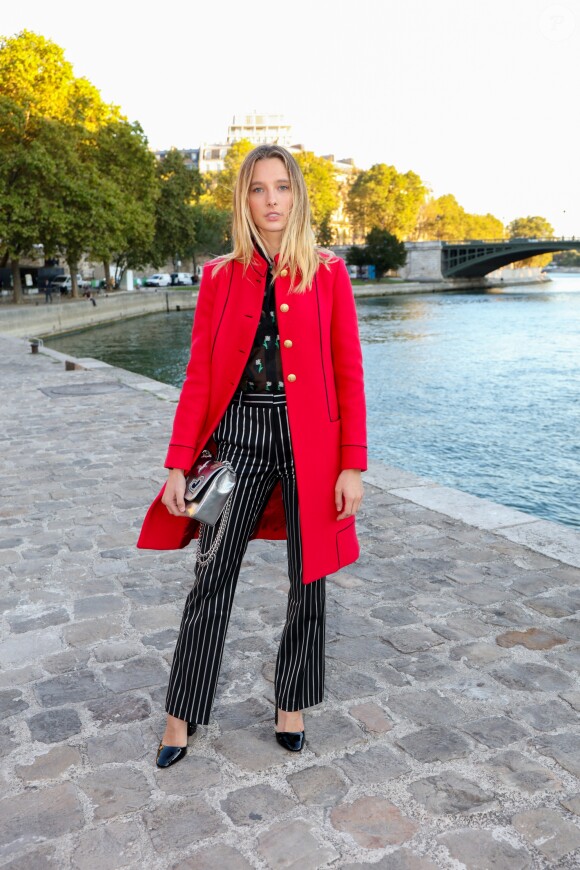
{"points": [[475, 390]]}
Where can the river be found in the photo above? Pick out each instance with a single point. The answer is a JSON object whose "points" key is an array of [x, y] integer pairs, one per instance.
{"points": [[475, 390]]}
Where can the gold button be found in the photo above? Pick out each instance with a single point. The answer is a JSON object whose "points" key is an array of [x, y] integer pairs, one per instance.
{"points": [[284, 307], [287, 343], [283, 273], [291, 377]]}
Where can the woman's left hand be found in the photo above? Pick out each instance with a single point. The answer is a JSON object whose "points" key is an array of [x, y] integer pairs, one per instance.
{"points": [[350, 486]]}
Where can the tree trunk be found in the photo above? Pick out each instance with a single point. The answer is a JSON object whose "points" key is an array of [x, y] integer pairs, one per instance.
{"points": [[107, 270], [74, 287], [16, 282]]}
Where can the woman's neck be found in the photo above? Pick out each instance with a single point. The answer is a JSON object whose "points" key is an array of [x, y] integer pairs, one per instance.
{"points": [[271, 247]]}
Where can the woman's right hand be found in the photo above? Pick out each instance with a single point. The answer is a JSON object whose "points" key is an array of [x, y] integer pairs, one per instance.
{"points": [[174, 491]]}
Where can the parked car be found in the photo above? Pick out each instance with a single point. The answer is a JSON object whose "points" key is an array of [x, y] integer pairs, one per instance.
{"points": [[181, 278], [64, 283], [158, 280]]}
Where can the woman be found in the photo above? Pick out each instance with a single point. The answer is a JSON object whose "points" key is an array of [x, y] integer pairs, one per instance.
{"points": [[274, 385]]}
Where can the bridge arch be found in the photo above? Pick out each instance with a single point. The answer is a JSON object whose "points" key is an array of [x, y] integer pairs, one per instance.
{"points": [[474, 259]]}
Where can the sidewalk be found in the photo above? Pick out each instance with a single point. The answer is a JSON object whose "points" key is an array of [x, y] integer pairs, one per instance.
{"points": [[449, 734]]}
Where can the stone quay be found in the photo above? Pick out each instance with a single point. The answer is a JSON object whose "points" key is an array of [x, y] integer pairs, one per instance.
{"points": [[448, 737]]}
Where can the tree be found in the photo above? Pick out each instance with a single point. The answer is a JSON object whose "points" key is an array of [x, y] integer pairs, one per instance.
{"points": [[532, 227], [47, 182], [383, 250], [443, 218], [357, 256], [325, 232], [129, 190], [323, 192], [32, 161], [35, 75], [221, 185], [483, 226], [567, 259], [79, 187], [179, 187], [212, 230], [383, 198]]}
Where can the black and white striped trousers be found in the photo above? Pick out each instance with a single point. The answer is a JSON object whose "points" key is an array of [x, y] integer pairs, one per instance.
{"points": [[254, 435]]}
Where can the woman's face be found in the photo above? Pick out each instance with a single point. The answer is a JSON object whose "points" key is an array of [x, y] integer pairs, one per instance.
{"points": [[270, 197]]}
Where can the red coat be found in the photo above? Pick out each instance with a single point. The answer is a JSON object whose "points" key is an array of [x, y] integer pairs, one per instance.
{"points": [[326, 402]]}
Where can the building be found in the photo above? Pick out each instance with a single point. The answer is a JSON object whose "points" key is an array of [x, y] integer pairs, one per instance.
{"points": [[269, 129], [190, 156], [260, 129]]}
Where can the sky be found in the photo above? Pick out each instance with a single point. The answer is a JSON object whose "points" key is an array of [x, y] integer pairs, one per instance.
{"points": [[479, 99]]}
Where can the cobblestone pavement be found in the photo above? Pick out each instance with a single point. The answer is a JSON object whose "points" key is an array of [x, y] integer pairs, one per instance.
{"points": [[449, 733]]}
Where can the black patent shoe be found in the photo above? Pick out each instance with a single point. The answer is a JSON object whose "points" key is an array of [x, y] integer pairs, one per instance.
{"points": [[293, 741], [191, 728], [168, 755]]}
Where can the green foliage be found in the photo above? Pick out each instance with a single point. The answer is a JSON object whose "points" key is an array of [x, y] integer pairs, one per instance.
{"points": [[532, 227], [221, 184], [567, 259], [35, 75], [443, 218], [385, 199], [323, 192], [75, 176], [357, 256], [34, 157], [212, 230], [383, 250], [325, 232], [179, 187], [129, 190], [483, 226]]}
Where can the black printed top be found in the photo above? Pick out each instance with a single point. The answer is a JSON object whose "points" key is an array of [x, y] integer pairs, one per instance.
{"points": [[263, 371]]}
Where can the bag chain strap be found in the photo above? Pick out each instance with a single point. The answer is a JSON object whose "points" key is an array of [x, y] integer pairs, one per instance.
{"points": [[203, 558]]}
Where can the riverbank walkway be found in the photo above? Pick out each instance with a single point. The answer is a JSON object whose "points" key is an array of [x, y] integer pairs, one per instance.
{"points": [[449, 734]]}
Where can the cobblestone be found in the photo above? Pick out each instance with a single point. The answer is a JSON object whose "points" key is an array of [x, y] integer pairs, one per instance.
{"points": [[49, 765], [532, 638], [548, 832], [496, 732], [294, 844], [448, 734], [55, 811], [435, 744], [481, 850], [563, 748], [255, 803], [111, 846], [373, 822], [426, 708], [318, 785], [376, 764], [115, 791], [52, 726], [448, 793], [523, 773]]}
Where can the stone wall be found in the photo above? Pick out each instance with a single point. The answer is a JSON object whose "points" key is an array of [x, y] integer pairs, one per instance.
{"points": [[42, 319], [423, 262]]}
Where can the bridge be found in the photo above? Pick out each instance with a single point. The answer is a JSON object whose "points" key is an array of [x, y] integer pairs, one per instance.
{"points": [[469, 261], [474, 259]]}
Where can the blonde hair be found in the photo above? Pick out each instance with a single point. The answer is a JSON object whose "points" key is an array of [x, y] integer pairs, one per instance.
{"points": [[298, 251]]}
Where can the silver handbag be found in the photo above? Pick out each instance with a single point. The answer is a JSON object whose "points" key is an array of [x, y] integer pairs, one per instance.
{"points": [[208, 490]]}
